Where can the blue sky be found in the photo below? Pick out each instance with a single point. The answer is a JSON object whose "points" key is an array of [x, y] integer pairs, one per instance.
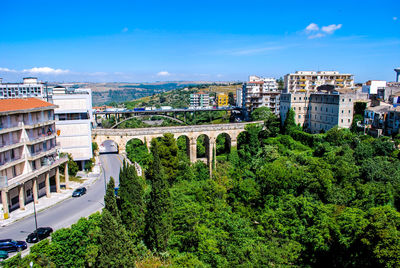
{"points": [[138, 41]]}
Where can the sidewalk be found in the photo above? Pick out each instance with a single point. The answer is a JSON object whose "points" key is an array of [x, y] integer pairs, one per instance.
{"points": [[44, 202]]}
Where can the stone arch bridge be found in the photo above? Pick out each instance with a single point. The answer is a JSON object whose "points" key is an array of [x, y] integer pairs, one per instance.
{"points": [[122, 136]]}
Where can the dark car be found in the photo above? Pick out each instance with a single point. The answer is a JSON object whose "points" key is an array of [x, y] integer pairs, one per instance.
{"points": [[3, 254], [79, 192], [40, 233], [10, 245]]}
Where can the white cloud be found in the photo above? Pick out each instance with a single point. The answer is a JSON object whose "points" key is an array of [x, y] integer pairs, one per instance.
{"points": [[314, 31], [125, 29], [312, 27], [7, 70], [330, 29], [395, 18], [318, 35], [163, 73], [45, 70]]}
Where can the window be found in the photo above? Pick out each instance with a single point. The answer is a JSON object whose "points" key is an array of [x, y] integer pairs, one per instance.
{"points": [[349, 111], [342, 100], [299, 98], [33, 165], [349, 99], [294, 98], [299, 116], [294, 108], [41, 185], [348, 120], [341, 120], [342, 111]]}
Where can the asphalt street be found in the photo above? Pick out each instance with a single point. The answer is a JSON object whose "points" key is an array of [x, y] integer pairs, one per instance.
{"points": [[71, 210]]}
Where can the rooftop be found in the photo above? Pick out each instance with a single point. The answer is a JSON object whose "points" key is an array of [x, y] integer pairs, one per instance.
{"points": [[13, 105]]}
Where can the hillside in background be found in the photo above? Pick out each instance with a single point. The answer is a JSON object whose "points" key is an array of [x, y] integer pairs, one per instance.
{"points": [[111, 93], [180, 97]]}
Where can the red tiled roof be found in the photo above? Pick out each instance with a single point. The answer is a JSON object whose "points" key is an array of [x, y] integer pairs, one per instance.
{"points": [[256, 82], [9, 105]]}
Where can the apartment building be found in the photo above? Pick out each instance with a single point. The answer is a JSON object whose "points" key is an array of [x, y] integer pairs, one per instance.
{"points": [[29, 159], [373, 87], [239, 97], [74, 122], [199, 100], [259, 92], [393, 121], [309, 81], [222, 100], [321, 110], [29, 88]]}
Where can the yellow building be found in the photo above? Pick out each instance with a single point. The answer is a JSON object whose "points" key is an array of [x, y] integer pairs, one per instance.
{"points": [[222, 100]]}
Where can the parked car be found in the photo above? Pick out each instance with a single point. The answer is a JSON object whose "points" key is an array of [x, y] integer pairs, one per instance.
{"points": [[41, 233], [3, 254], [79, 192], [10, 245]]}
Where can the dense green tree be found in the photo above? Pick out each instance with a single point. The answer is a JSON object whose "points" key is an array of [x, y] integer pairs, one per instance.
{"points": [[290, 123], [168, 154], [138, 152], [115, 248], [110, 202], [158, 225], [131, 200]]}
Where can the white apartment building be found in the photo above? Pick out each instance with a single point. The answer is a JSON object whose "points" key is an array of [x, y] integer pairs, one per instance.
{"points": [[74, 122], [259, 92], [29, 88], [305, 81], [199, 100], [239, 97], [29, 159], [373, 87], [322, 110]]}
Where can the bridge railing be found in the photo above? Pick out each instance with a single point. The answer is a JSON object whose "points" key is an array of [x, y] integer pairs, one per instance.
{"points": [[174, 129]]}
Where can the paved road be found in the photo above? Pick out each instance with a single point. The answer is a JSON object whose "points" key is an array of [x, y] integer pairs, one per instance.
{"points": [[71, 210]]}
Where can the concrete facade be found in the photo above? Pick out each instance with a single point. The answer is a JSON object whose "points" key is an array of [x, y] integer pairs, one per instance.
{"points": [[74, 122], [29, 88], [322, 110], [260, 92], [305, 81], [29, 158]]}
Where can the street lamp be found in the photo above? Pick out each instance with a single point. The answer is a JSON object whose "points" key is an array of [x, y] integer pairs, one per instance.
{"points": [[34, 211]]}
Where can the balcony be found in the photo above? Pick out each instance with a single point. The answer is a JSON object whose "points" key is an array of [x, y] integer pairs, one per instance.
{"points": [[41, 153], [5, 128], [10, 145], [22, 178], [302, 80], [31, 125], [11, 162], [44, 137], [302, 85], [339, 80]]}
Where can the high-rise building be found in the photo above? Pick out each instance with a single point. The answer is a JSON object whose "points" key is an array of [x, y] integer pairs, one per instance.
{"points": [[30, 87], [309, 81], [199, 100], [260, 91], [74, 122], [29, 158]]}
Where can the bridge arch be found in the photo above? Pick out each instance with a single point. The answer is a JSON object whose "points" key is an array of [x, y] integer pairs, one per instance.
{"points": [[139, 116], [183, 142], [223, 143]]}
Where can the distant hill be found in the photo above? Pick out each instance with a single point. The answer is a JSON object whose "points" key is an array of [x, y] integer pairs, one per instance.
{"points": [[111, 93]]}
